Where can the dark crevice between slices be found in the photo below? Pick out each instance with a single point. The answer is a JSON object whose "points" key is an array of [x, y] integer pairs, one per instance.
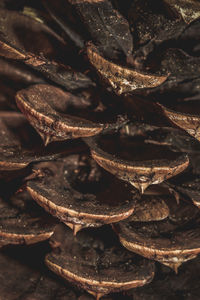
{"points": [[23, 222], [130, 159], [58, 115], [21, 145], [81, 194], [171, 241], [96, 262]]}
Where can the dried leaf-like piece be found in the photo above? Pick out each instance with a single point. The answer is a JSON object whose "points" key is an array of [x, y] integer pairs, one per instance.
{"points": [[150, 208], [38, 54], [122, 79], [171, 241], [188, 10], [20, 144], [81, 194], [185, 115], [107, 27], [58, 115], [189, 186], [20, 280], [132, 160], [23, 222], [96, 262]]}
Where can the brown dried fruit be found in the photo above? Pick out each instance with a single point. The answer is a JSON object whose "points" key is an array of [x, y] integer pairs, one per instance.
{"points": [[131, 160], [96, 262], [58, 115], [185, 115], [171, 241], [23, 222], [20, 144], [122, 79], [78, 192]]}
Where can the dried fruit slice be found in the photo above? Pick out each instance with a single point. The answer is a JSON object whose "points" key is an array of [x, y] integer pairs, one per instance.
{"points": [[107, 27], [20, 144], [96, 262], [58, 115], [122, 79], [130, 159], [20, 280], [23, 222], [81, 194], [171, 241], [150, 208], [14, 46], [188, 10], [185, 115]]}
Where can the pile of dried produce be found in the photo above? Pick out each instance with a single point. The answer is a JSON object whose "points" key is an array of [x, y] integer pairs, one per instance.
{"points": [[99, 149]]}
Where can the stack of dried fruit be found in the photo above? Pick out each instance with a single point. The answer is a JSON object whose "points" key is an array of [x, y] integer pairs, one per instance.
{"points": [[99, 152]]}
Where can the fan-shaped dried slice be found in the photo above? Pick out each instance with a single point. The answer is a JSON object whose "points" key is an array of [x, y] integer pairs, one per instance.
{"points": [[20, 144], [23, 222], [15, 44], [107, 27], [122, 79], [58, 115], [78, 192], [188, 10], [96, 262], [171, 241], [130, 159], [25, 282], [185, 115]]}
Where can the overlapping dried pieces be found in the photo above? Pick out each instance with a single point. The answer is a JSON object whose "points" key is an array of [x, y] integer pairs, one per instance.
{"points": [[58, 115], [96, 262], [167, 285], [185, 115], [78, 192], [15, 44], [171, 241], [122, 79], [107, 27], [188, 10], [130, 159], [189, 186], [23, 222], [22, 281], [150, 208], [20, 144]]}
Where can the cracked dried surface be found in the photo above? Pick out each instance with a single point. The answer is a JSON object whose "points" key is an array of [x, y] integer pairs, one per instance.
{"points": [[80, 193], [95, 261]]}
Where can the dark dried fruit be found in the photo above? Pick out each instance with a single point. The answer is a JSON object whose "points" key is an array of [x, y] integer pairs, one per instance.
{"points": [[171, 241], [80, 193], [96, 262], [186, 116], [122, 79], [23, 222], [58, 115], [131, 160], [20, 144]]}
